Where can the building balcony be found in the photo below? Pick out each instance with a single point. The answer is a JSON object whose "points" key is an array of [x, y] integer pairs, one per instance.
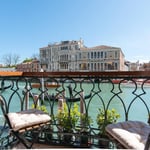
{"points": [[79, 96]]}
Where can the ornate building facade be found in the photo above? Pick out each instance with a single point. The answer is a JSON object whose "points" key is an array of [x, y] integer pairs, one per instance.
{"points": [[75, 56]]}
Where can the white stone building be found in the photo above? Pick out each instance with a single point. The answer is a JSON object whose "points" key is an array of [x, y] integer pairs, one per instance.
{"points": [[74, 56]]}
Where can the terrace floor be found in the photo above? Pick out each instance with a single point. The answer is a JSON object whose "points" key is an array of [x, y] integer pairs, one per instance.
{"points": [[17, 146], [39, 146], [48, 146]]}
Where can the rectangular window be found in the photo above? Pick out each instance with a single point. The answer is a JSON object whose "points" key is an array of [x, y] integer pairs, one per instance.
{"points": [[92, 55], [98, 56], [116, 66], [105, 54], [116, 54], [101, 54]]}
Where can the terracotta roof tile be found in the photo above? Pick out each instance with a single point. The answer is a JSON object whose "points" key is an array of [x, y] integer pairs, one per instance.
{"points": [[10, 73]]}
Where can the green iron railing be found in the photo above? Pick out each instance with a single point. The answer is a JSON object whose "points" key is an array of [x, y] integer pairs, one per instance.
{"points": [[74, 99]]}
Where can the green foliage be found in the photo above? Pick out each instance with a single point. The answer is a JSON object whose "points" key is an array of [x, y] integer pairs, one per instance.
{"points": [[106, 117], [42, 108], [68, 119], [27, 60], [85, 121]]}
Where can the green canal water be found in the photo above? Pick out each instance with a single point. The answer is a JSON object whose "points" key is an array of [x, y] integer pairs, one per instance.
{"points": [[103, 91]]}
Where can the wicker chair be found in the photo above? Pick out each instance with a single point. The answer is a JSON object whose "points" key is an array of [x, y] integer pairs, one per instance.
{"points": [[25, 121], [130, 134]]}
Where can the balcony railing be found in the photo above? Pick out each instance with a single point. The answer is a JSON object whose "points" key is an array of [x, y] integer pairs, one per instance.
{"points": [[126, 92]]}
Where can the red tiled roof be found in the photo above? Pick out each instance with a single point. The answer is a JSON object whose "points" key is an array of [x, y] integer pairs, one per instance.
{"points": [[10, 73]]}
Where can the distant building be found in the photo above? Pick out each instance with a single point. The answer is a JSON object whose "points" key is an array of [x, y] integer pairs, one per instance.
{"points": [[146, 66], [74, 56], [31, 66], [1, 65], [132, 66], [136, 66], [7, 69]]}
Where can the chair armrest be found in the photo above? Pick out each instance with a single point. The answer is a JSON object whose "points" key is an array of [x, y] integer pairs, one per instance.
{"points": [[147, 145]]}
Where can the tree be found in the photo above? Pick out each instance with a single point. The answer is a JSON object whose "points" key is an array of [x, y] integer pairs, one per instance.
{"points": [[35, 56], [16, 59], [7, 59], [10, 60], [27, 60]]}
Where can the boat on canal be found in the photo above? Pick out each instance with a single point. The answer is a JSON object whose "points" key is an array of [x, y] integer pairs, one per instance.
{"points": [[55, 98]]}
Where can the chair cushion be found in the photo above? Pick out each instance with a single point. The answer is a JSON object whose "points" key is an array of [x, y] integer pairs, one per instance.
{"points": [[131, 134], [27, 118]]}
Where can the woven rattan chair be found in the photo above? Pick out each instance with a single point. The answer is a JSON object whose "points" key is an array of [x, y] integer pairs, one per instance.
{"points": [[130, 134], [25, 121]]}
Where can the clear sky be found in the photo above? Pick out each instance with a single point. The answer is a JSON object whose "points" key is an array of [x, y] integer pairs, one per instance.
{"points": [[27, 25]]}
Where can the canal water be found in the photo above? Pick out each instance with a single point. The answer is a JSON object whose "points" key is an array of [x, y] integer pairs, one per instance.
{"points": [[118, 95]]}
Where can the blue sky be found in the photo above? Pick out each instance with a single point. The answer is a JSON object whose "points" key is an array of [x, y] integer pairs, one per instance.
{"points": [[27, 25]]}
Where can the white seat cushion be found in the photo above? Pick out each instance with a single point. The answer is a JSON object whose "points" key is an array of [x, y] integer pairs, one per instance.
{"points": [[131, 134], [27, 118]]}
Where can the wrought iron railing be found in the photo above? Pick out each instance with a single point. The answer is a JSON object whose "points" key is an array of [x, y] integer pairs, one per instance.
{"points": [[126, 92]]}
